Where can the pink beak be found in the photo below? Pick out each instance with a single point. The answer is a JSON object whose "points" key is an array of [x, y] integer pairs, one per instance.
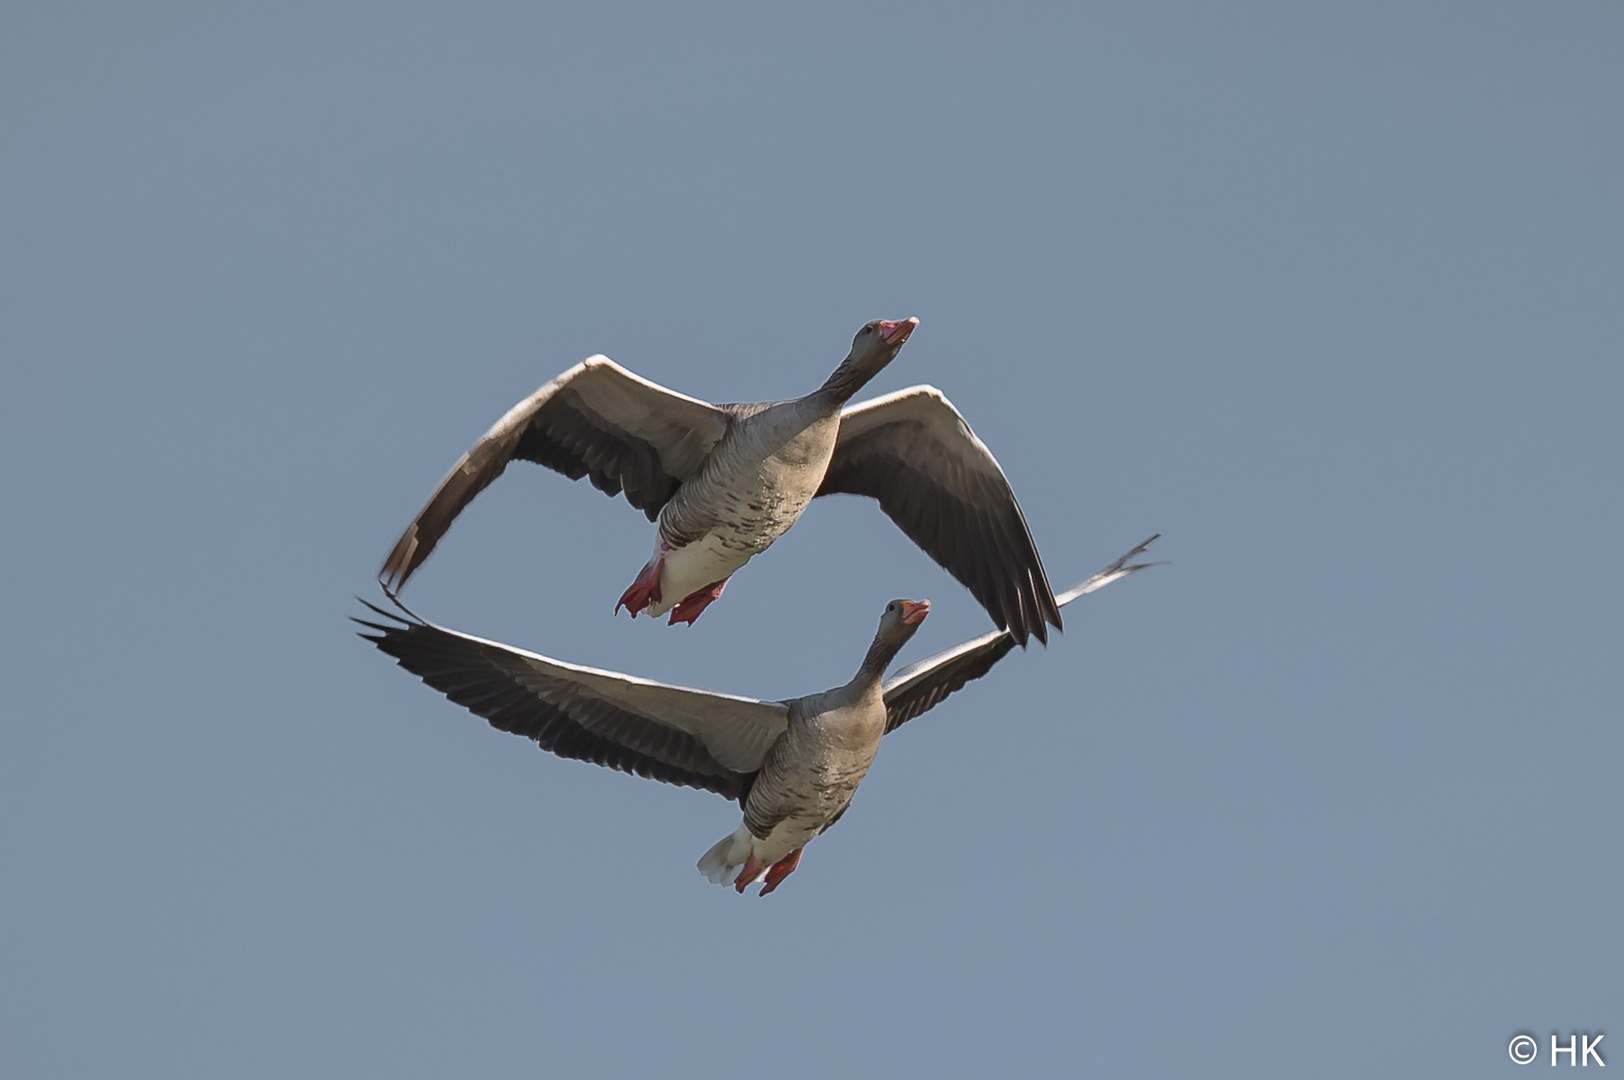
{"points": [[914, 611], [895, 333]]}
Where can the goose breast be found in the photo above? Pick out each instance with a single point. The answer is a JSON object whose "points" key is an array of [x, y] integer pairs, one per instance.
{"points": [[757, 483]]}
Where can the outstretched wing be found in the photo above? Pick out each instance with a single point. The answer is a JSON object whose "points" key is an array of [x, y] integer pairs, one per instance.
{"points": [[923, 685], [913, 452], [597, 419], [671, 733]]}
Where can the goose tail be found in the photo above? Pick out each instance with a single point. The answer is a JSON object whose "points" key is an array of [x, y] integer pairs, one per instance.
{"points": [[721, 863]]}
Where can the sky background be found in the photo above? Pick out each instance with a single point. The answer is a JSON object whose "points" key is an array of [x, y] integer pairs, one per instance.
{"points": [[1330, 295]]}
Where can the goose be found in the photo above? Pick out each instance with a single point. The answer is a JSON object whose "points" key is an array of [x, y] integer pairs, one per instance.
{"points": [[725, 481], [793, 765]]}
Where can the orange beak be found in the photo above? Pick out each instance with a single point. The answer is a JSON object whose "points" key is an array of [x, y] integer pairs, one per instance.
{"points": [[914, 611], [895, 333]]}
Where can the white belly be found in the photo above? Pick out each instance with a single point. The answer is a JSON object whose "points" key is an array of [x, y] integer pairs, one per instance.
{"points": [[747, 502], [688, 569], [786, 836]]}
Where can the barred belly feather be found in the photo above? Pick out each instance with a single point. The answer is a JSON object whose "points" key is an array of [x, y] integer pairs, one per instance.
{"points": [[749, 494]]}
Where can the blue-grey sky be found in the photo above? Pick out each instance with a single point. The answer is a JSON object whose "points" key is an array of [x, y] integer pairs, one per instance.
{"points": [[1330, 295]]}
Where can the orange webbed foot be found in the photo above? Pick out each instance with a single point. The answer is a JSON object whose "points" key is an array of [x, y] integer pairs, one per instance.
{"points": [[780, 870], [646, 589], [691, 606], [747, 873]]}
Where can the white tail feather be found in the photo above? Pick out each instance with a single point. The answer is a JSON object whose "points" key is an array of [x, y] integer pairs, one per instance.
{"points": [[721, 863]]}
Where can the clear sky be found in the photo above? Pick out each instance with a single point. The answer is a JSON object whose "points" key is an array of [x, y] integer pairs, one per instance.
{"points": [[1331, 295]]}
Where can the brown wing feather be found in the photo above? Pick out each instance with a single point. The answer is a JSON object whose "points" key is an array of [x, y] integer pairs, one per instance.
{"points": [[914, 453], [597, 420], [567, 720], [914, 692]]}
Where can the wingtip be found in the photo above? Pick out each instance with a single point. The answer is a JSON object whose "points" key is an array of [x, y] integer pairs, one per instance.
{"points": [[1120, 568], [1023, 632], [1041, 632], [382, 631], [1140, 548], [409, 619], [401, 562], [1041, 612]]}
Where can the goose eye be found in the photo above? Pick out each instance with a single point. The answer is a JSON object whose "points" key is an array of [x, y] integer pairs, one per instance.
{"points": [[868, 329]]}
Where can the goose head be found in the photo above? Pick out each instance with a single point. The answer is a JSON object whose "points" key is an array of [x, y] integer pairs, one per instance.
{"points": [[898, 624], [874, 346]]}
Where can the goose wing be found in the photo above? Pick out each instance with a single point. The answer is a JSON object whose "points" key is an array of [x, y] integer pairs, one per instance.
{"points": [[597, 419], [913, 452], [923, 685], [670, 733]]}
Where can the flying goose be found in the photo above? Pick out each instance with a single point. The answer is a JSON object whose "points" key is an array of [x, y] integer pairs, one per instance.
{"points": [[725, 481], [793, 765]]}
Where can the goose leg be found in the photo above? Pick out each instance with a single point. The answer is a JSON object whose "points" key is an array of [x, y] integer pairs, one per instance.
{"points": [[689, 607], [646, 589], [780, 870], [747, 873]]}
